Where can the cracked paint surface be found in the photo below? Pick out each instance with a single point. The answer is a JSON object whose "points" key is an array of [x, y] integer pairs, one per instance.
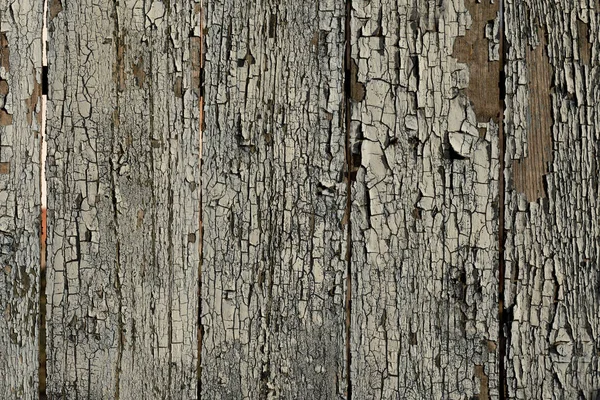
{"points": [[123, 200], [424, 216], [273, 276], [20, 70], [552, 257], [397, 198]]}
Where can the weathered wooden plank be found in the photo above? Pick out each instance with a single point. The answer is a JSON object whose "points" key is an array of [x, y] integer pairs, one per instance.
{"points": [[20, 127], [274, 247], [123, 199], [424, 204], [552, 247]]}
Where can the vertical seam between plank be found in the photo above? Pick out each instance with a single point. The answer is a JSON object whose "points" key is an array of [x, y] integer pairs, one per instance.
{"points": [[349, 163], [42, 356], [502, 324], [113, 182], [200, 329]]}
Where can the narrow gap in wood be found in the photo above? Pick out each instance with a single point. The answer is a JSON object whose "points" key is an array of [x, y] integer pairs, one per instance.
{"points": [[200, 331], [44, 80], [119, 47], [43, 228], [349, 178], [503, 322]]}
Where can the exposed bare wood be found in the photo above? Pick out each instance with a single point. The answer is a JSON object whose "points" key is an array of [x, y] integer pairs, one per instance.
{"points": [[530, 171], [483, 89]]}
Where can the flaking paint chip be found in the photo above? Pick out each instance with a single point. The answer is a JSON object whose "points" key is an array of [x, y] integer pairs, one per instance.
{"points": [[4, 168], [156, 12], [462, 143]]}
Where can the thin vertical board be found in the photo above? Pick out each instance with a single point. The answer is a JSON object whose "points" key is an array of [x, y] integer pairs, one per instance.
{"points": [[123, 199], [552, 252], [20, 210], [425, 115], [274, 247]]}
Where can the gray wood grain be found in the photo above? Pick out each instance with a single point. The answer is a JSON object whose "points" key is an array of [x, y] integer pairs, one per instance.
{"points": [[274, 248], [424, 205], [20, 139], [123, 199], [552, 209]]}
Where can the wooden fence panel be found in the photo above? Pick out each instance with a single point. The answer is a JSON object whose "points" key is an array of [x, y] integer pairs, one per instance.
{"points": [[123, 199], [388, 199], [20, 211], [425, 119], [552, 296], [274, 200]]}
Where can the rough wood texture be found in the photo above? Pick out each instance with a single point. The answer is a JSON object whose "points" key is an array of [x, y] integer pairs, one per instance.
{"points": [[552, 255], [123, 199], [20, 127], [367, 212], [424, 216], [529, 171], [274, 248]]}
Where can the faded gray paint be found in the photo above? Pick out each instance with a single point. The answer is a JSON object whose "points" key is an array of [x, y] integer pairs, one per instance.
{"points": [[20, 127], [123, 200], [424, 210], [274, 255], [552, 245], [407, 198]]}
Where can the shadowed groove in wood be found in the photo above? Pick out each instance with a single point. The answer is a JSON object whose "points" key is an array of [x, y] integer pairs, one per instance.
{"points": [[198, 68], [353, 90], [502, 315], [42, 302], [44, 228]]}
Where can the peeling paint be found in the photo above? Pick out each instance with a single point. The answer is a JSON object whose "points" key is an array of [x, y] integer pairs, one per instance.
{"points": [[274, 251], [424, 231], [20, 64], [123, 171], [551, 252]]}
